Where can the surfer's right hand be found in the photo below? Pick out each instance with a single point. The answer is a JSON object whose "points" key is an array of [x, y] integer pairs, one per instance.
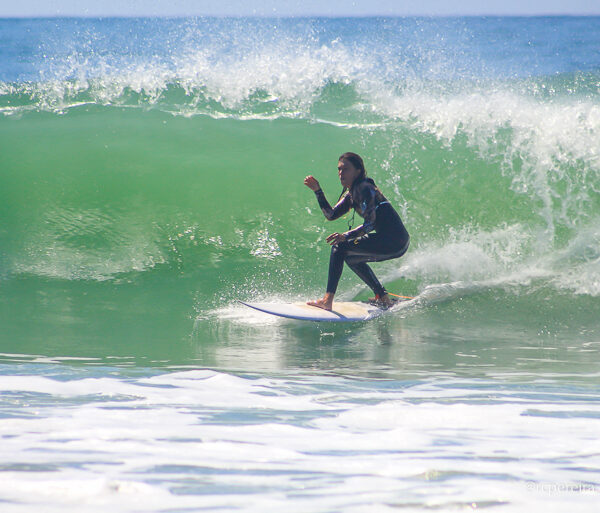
{"points": [[312, 183]]}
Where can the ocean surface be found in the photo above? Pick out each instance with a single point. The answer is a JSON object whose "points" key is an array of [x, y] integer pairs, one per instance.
{"points": [[151, 176]]}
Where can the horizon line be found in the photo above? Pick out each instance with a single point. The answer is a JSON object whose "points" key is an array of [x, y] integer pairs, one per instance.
{"points": [[293, 16]]}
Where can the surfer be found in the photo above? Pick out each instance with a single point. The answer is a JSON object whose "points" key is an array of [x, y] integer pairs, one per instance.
{"points": [[382, 236]]}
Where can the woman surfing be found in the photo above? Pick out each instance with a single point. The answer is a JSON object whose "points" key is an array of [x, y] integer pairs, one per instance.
{"points": [[382, 236]]}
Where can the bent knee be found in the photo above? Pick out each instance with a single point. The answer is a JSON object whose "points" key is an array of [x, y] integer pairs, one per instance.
{"points": [[340, 249]]}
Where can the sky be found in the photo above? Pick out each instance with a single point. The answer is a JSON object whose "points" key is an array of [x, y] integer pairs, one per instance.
{"points": [[31, 8]]}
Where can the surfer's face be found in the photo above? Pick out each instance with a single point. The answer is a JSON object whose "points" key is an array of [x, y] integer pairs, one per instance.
{"points": [[347, 173]]}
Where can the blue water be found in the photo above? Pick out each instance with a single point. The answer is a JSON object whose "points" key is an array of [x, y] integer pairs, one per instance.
{"points": [[151, 176]]}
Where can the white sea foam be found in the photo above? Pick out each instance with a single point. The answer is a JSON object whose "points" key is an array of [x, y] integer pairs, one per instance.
{"points": [[549, 149], [204, 439]]}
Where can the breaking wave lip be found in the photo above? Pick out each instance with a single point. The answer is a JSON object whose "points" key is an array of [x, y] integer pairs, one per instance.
{"points": [[283, 74], [252, 76]]}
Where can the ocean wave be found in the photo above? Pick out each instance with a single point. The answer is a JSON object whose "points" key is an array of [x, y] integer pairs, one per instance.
{"points": [[491, 173]]}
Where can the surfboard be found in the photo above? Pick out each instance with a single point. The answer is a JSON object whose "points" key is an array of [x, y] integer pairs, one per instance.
{"points": [[343, 311]]}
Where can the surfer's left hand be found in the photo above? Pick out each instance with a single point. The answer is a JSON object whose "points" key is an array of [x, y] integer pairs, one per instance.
{"points": [[336, 238]]}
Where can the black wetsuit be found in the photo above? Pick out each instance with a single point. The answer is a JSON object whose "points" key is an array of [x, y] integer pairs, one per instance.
{"points": [[389, 240]]}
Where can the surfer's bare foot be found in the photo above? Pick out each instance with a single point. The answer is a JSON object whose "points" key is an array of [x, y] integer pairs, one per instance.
{"points": [[326, 303]]}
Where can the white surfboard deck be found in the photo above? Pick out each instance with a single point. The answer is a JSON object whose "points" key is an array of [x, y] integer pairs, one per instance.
{"points": [[343, 311]]}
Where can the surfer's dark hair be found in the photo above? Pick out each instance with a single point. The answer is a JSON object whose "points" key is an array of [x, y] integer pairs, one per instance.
{"points": [[356, 160]]}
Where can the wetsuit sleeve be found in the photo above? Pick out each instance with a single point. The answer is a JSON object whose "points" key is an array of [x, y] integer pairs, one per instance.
{"points": [[368, 206], [338, 210]]}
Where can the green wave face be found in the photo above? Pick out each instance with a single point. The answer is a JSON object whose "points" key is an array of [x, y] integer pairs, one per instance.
{"points": [[135, 208]]}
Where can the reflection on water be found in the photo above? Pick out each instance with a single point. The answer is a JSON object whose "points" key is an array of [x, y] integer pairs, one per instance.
{"points": [[443, 338], [476, 335]]}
